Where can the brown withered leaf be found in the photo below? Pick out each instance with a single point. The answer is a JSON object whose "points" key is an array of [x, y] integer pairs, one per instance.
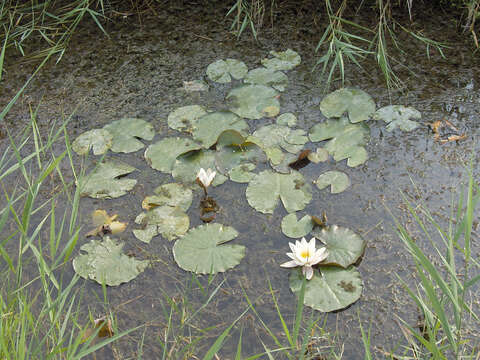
{"points": [[301, 161], [105, 224], [320, 222]]}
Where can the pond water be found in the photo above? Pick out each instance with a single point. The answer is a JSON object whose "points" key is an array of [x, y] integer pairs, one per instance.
{"points": [[139, 72]]}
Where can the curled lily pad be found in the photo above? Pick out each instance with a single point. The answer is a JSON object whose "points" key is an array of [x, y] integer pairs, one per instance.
{"points": [[172, 194], [254, 101], [162, 155], [188, 165], [262, 76], [320, 155], [357, 103], [104, 181], [203, 249], [265, 189], [222, 71], [126, 133], [99, 140], [296, 229], [344, 246], [242, 173], [105, 263], [398, 116], [271, 136], [338, 180], [332, 289], [184, 118], [288, 119], [282, 60]]}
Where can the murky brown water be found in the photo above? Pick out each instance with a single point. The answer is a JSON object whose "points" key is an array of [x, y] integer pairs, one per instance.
{"points": [[138, 72]]}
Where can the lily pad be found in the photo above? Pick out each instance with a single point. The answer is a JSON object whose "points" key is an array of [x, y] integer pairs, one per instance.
{"points": [[203, 250], [284, 166], [231, 156], [344, 246], [254, 101], [208, 128], [104, 181], [172, 194], [282, 60], [222, 71], [296, 229], [346, 140], [126, 133], [332, 289], [262, 76], [171, 222], [320, 155], [242, 173], [265, 189], [398, 116], [104, 262], [184, 118], [288, 119], [162, 155], [274, 136], [99, 140], [359, 105], [338, 180], [187, 166]]}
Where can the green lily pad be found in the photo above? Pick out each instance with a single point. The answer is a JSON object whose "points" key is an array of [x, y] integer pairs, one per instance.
{"points": [[320, 155], [344, 246], [104, 262], [126, 132], [254, 101], [104, 181], [188, 165], [282, 60], [208, 128], [288, 119], [338, 180], [99, 140], [242, 173], [231, 156], [265, 189], [222, 71], [268, 77], [203, 250], [398, 116], [147, 232], [172, 194], [162, 155], [332, 289], [185, 118], [274, 136], [296, 229], [346, 140], [275, 155], [283, 167], [359, 105], [171, 222]]}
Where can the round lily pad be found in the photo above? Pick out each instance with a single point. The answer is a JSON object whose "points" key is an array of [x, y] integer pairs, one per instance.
{"points": [[271, 136], [172, 194], [288, 119], [222, 71], [254, 101], [338, 180], [188, 165], [242, 173], [99, 140], [265, 189], [320, 155], [104, 181], [263, 76], [162, 155], [344, 246], [282, 60], [398, 116], [104, 262], [332, 289], [184, 118], [296, 229], [126, 133], [357, 103], [203, 249]]}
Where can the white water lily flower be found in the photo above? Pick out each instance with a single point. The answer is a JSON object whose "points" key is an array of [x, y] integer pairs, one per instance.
{"points": [[206, 177], [305, 254]]}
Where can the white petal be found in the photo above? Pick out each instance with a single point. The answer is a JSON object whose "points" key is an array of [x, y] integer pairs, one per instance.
{"points": [[289, 264], [308, 272], [320, 255], [295, 258], [292, 247], [311, 246]]}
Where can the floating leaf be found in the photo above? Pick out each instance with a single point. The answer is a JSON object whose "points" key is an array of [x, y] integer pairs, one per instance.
{"points": [[359, 105], [229, 157], [104, 262], [147, 232], [208, 128], [188, 165], [296, 229], [221, 70], [254, 101], [347, 140], [284, 166], [104, 181], [273, 136], [320, 155], [344, 246], [105, 224], [185, 118], [338, 180], [99, 140], [171, 222], [398, 116], [126, 133], [172, 194], [288, 119], [162, 155], [301, 161], [267, 187], [203, 250], [242, 173], [282, 60], [268, 77], [332, 289]]}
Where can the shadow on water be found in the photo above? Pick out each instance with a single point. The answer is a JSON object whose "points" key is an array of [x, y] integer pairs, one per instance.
{"points": [[139, 72]]}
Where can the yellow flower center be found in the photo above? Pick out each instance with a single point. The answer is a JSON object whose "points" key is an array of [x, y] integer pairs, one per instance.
{"points": [[305, 254]]}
